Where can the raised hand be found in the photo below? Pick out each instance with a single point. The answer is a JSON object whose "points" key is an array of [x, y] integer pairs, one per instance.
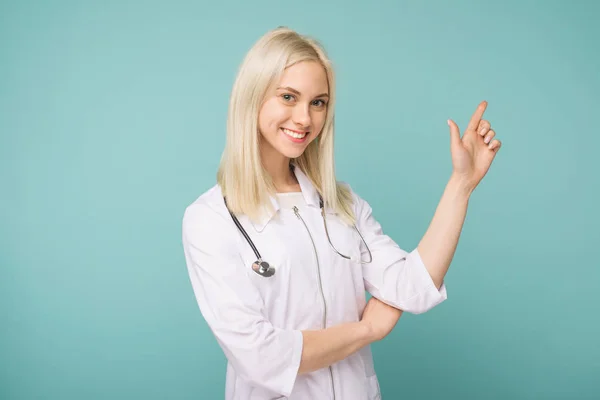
{"points": [[473, 154]]}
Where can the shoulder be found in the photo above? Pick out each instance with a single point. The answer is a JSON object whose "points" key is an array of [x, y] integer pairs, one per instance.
{"points": [[206, 220]]}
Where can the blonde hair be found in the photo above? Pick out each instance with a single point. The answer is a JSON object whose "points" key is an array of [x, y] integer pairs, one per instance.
{"points": [[241, 175]]}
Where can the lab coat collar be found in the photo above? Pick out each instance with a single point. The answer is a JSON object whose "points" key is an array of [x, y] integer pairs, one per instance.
{"points": [[311, 196]]}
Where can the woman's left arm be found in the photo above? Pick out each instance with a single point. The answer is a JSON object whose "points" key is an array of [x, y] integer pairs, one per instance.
{"points": [[472, 156]]}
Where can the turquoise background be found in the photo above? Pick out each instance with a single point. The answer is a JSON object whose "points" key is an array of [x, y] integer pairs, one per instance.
{"points": [[112, 121]]}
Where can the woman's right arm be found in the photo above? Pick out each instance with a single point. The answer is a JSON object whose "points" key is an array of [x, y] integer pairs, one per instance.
{"points": [[324, 347], [328, 346], [261, 354]]}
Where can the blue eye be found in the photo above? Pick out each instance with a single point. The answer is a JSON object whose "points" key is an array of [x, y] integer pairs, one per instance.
{"points": [[287, 97], [317, 103]]}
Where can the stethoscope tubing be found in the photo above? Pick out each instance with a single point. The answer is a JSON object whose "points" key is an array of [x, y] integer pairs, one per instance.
{"points": [[263, 267]]}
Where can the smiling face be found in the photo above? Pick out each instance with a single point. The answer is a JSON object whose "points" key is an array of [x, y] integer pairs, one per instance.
{"points": [[294, 111]]}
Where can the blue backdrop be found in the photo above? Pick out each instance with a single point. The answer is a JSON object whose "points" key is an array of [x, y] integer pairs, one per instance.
{"points": [[112, 120]]}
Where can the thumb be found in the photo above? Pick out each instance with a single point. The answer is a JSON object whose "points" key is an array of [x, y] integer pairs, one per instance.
{"points": [[454, 133]]}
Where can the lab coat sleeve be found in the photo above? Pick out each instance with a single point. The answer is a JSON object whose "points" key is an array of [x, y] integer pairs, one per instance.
{"points": [[263, 355], [395, 276]]}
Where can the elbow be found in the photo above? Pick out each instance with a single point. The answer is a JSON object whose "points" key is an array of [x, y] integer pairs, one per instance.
{"points": [[418, 303], [437, 280], [427, 300], [262, 378], [269, 362]]}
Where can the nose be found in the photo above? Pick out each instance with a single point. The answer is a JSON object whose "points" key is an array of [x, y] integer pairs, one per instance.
{"points": [[301, 116]]}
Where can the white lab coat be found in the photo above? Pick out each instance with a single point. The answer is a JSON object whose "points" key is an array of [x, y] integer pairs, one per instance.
{"points": [[258, 320]]}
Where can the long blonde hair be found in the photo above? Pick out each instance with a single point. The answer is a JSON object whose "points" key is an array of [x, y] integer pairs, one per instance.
{"points": [[241, 176]]}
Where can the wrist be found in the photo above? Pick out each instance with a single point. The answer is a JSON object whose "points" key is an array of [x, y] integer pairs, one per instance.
{"points": [[460, 186]]}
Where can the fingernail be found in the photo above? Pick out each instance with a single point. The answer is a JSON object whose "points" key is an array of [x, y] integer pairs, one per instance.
{"points": [[486, 140]]}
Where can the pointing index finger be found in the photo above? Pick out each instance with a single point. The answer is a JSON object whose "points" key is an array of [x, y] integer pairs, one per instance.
{"points": [[474, 122]]}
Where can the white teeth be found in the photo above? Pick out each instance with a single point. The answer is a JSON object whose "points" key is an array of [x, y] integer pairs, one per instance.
{"points": [[293, 134]]}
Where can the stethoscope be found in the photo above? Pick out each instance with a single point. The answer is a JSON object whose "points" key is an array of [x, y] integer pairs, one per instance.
{"points": [[263, 268]]}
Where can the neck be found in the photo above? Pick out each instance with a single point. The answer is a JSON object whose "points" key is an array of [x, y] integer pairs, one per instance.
{"points": [[278, 167]]}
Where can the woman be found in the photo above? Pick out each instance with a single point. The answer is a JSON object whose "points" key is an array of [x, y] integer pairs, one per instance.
{"points": [[276, 264]]}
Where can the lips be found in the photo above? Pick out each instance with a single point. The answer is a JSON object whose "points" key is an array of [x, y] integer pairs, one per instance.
{"points": [[296, 136]]}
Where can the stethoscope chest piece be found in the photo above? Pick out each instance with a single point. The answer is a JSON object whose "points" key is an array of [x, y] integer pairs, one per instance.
{"points": [[263, 268]]}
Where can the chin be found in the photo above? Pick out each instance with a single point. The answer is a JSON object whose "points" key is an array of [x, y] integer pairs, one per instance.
{"points": [[292, 153], [290, 149]]}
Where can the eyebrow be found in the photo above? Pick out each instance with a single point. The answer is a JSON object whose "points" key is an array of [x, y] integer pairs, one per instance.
{"points": [[298, 93]]}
